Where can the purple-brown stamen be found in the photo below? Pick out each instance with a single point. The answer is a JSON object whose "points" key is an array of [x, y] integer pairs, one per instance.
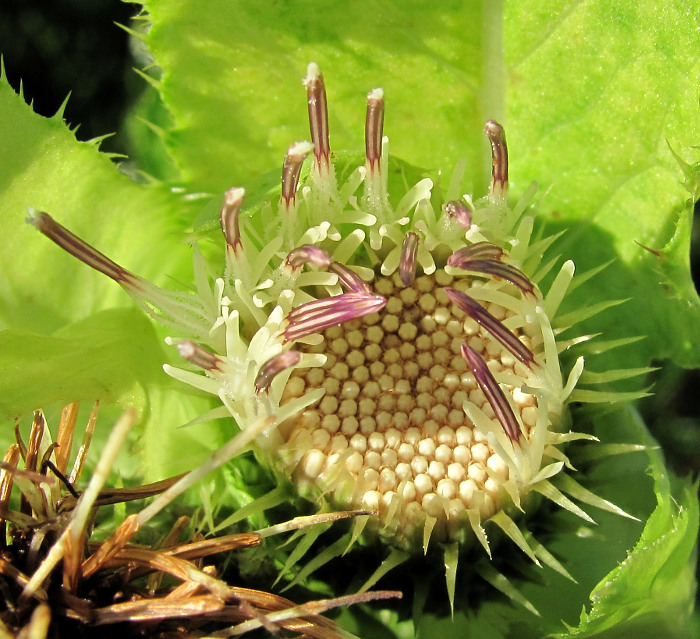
{"points": [[199, 356], [349, 280], [499, 158], [308, 254], [233, 198], [374, 128], [493, 393], [318, 315], [499, 270], [460, 212], [407, 263], [77, 247], [494, 326], [479, 250], [182, 311], [273, 367], [318, 115], [293, 161]]}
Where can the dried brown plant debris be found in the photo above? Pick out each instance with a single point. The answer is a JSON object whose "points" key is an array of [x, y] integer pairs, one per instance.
{"points": [[55, 582]]}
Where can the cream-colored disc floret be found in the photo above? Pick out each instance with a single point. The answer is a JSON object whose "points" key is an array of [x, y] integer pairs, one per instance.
{"points": [[390, 432]]}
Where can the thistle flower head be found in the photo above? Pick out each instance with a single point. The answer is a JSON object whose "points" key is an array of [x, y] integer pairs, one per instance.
{"points": [[401, 349]]}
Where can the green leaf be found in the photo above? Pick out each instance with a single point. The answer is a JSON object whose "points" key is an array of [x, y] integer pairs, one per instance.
{"points": [[43, 166], [233, 70], [597, 92], [113, 356], [110, 356], [167, 449], [652, 592]]}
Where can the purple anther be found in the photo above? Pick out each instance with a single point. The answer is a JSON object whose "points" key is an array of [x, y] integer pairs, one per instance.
{"points": [[460, 212], [318, 115], [199, 356], [308, 254], [496, 269], [499, 158], [233, 198], [407, 263], [494, 326], [477, 251], [374, 128], [318, 315], [493, 393], [293, 161], [349, 280], [273, 367], [504, 271], [77, 247]]}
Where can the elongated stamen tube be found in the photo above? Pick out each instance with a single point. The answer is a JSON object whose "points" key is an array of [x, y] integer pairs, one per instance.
{"points": [[480, 315], [233, 198], [498, 269], [182, 311], [459, 211], [199, 356], [356, 302], [349, 280], [499, 159], [293, 161], [273, 367], [72, 244], [374, 128], [493, 393], [407, 263], [308, 254], [318, 315], [479, 250], [318, 115]]}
